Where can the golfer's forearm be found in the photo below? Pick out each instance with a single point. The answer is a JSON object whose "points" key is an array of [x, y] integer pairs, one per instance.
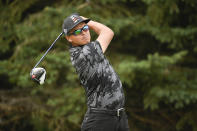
{"points": [[105, 34], [100, 28]]}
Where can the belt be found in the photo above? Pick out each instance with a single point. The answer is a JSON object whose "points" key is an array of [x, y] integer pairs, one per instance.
{"points": [[117, 112]]}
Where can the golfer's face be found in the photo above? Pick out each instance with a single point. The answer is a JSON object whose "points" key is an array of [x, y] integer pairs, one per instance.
{"points": [[80, 35]]}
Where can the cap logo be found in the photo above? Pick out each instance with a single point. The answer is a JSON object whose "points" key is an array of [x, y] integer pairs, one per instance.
{"points": [[74, 18]]}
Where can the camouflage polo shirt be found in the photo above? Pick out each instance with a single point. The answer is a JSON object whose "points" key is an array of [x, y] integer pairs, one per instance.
{"points": [[101, 83]]}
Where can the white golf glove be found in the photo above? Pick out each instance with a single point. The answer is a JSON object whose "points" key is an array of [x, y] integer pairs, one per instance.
{"points": [[38, 74]]}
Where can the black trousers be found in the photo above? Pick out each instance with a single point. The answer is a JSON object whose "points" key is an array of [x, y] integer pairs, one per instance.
{"points": [[104, 121]]}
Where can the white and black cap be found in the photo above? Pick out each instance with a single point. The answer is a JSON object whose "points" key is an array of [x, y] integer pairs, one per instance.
{"points": [[71, 21]]}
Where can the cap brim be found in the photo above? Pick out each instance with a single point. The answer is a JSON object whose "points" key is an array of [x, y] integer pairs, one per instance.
{"points": [[86, 21]]}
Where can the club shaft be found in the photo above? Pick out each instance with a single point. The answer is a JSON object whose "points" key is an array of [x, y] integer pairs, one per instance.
{"points": [[48, 50]]}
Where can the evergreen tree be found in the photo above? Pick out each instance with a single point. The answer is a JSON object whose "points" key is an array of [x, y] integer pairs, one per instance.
{"points": [[154, 49]]}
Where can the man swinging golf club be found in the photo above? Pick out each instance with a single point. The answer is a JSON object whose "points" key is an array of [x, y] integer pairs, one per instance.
{"points": [[104, 91]]}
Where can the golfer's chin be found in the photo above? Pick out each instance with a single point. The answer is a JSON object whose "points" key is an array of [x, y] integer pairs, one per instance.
{"points": [[84, 42]]}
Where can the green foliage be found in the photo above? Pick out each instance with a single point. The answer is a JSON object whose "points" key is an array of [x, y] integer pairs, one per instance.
{"points": [[166, 83], [155, 50], [64, 105]]}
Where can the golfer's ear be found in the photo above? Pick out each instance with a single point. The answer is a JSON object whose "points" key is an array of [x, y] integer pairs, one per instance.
{"points": [[68, 38]]}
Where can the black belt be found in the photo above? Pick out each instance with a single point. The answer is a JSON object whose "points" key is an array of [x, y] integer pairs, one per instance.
{"points": [[117, 112]]}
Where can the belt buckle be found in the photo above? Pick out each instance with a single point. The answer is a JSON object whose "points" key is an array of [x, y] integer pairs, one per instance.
{"points": [[118, 111]]}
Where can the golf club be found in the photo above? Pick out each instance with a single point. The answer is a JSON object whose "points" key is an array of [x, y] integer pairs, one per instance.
{"points": [[38, 74]]}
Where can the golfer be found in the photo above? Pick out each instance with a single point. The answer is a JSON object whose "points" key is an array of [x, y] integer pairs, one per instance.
{"points": [[104, 91]]}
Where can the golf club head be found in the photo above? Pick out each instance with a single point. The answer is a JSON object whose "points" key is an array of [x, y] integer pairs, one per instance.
{"points": [[38, 75]]}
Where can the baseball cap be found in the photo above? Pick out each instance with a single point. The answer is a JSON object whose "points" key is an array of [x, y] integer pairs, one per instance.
{"points": [[71, 21]]}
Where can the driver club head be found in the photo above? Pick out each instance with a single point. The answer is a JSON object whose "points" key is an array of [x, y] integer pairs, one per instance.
{"points": [[38, 75]]}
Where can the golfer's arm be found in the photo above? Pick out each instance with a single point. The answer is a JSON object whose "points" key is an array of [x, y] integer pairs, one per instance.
{"points": [[105, 34]]}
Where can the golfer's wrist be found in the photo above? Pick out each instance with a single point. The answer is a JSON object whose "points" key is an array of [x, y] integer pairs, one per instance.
{"points": [[95, 26], [91, 24]]}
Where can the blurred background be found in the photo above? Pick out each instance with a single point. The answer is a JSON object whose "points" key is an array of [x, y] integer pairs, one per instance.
{"points": [[154, 52]]}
